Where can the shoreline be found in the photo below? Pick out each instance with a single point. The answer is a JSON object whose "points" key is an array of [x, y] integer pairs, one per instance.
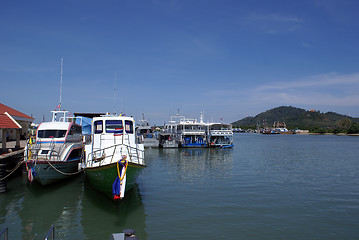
{"points": [[338, 134]]}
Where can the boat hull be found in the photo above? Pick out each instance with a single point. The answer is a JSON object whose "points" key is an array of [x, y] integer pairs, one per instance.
{"points": [[47, 174], [151, 143], [169, 144], [193, 145], [102, 177]]}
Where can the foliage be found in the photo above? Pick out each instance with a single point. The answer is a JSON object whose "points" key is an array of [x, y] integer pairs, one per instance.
{"points": [[297, 118], [354, 128]]}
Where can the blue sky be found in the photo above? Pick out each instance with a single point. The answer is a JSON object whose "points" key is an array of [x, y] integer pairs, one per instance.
{"points": [[227, 58]]}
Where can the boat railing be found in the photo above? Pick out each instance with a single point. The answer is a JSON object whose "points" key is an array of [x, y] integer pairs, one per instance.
{"points": [[54, 150], [5, 232], [196, 131], [221, 132], [135, 154], [32, 150], [71, 119], [57, 150], [51, 233]]}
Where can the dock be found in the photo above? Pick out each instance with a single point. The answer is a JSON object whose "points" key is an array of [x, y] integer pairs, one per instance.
{"points": [[10, 160]]}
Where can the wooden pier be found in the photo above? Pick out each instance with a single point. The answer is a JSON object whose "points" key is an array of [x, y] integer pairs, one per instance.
{"points": [[9, 163]]}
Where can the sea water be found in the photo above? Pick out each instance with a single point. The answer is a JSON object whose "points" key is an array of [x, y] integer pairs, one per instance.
{"points": [[266, 187]]}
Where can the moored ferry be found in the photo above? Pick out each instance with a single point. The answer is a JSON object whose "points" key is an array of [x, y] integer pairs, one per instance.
{"points": [[220, 135], [192, 133], [169, 137]]}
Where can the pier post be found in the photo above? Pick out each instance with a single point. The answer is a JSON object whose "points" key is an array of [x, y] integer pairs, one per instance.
{"points": [[4, 131], [2, 175], [17, 145]]}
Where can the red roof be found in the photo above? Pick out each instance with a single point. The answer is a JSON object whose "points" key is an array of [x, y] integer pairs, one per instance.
{"points": [[6, 122], [12, 112]]}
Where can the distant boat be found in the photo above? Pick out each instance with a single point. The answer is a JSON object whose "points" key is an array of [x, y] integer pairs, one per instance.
{"points": [[278, 128], [113, 158], [192, 133], [169, 137], [57, 151], [167, 140], [220, 135], [146, 135]]}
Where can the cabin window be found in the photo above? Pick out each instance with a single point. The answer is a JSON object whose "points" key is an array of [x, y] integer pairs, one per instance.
{"points": [[144, 131], [51, 133], [75, 129], [112, 125], [75, 154], [128, 126], [98, 127], [78, 129]]}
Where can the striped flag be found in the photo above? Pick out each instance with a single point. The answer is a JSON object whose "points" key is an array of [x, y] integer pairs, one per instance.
{"points": [[118, 131]]}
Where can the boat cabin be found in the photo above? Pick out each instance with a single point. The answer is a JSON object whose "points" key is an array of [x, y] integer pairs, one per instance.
{"points": [[53, 137], [109, 130]]}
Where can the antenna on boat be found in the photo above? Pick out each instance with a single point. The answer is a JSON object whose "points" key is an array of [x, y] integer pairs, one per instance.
{"points": [[201, 117], [62, 60], [114, 96]]}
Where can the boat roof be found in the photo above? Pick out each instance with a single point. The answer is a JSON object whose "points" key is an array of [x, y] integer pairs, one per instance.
{"points": [[113, 117], [54, 125], [222, 124], [89, 115]]}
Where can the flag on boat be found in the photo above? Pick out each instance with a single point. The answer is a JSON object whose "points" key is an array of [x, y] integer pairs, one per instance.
{"points": [[118, 131]]}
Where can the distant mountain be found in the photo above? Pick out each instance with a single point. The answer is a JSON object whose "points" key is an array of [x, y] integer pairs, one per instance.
{"points": [[295, 118]]}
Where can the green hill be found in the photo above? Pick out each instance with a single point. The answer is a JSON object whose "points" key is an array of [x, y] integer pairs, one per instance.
{"points": [[301, 119]]}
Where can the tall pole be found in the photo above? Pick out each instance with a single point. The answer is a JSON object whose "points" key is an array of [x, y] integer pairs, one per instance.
{"points": [[114, 96], [62, 60]]}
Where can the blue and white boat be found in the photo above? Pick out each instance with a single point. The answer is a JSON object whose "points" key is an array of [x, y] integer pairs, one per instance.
{"points": [[192, 133], [57, 151], [220, 135]]}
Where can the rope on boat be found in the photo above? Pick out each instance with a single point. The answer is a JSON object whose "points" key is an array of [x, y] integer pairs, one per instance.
{"points": [[118, 187], [68, 174], [12, 171], [118, 170]]}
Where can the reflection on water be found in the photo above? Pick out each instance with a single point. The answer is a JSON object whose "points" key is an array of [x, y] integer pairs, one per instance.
{"points": [[101, 215], [31, 209], [75, 209], [198, 163]]}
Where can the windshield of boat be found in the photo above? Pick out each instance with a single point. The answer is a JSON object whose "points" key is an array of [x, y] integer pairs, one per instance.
{"points": [[128, 126], [112, 125], [51, 133], [144, 131]]}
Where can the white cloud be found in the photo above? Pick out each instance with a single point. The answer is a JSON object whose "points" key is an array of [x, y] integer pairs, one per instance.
{"points": [[323, 80], [274, 23], [332, 91], [274, 18], [327, 89]]}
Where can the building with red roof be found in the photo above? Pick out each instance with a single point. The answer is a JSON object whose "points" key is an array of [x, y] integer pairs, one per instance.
{"points": [[13, 124]]}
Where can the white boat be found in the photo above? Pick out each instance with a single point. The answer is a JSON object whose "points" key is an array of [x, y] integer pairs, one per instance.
{"points": [[220, 135], [113, 158], [146, 135], [169, 137], [192, 133], [57, 151]]}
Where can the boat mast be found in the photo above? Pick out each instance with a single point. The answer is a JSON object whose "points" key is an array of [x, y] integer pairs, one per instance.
{"points": [[62, 60], [114, 96]]}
